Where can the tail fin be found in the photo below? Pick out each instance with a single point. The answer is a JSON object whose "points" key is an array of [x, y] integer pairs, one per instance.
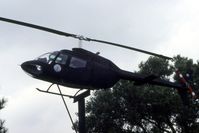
{"points": [[185, 94]]}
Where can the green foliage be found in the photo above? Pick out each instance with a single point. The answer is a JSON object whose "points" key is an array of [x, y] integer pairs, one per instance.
{"points": [[2, 128], [156, 66], [127, 108], [2, 103]]}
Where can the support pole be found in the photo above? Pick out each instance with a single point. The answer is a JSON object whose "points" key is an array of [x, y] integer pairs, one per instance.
{"points": [[81, 110]]}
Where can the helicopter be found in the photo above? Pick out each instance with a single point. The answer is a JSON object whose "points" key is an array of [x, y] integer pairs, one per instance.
{"points": [[79, 68]]}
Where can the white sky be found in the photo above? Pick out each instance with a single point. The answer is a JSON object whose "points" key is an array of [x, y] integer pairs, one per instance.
{"points": [[167, 27]]}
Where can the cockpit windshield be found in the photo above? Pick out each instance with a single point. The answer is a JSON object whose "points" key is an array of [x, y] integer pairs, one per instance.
{"points": [[48, 57]]}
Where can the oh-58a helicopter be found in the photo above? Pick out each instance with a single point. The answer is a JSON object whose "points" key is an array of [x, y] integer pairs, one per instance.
{"points": [[79, 68]]}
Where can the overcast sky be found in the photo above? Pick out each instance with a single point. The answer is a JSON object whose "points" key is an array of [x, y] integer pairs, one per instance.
{"points": [[168, 27]]}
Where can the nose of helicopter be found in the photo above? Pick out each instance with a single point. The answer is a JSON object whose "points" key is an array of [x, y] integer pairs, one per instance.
{"points": [[32, 68]]}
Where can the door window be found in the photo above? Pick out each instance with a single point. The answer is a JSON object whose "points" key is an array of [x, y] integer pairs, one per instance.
{"points": [[77, 63]]}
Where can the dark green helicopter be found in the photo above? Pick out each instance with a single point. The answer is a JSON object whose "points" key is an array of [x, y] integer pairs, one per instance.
{"points": [[79, 68]]}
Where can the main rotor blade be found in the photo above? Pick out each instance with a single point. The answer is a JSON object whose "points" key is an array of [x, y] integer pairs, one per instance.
{"points": [[37, 27], [131, 48], [79, 37]]}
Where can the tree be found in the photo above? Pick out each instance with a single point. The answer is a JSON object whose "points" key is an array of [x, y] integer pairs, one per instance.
{"points": [[127, 108], [2, 128]]}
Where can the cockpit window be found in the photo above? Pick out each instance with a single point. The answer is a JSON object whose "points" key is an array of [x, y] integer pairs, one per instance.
{"points": [[77, 63], [61, 59], [48, 57]]}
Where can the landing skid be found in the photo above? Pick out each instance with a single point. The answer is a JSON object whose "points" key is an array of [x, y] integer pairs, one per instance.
{"points": [[54, 93], [80, 98]]}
